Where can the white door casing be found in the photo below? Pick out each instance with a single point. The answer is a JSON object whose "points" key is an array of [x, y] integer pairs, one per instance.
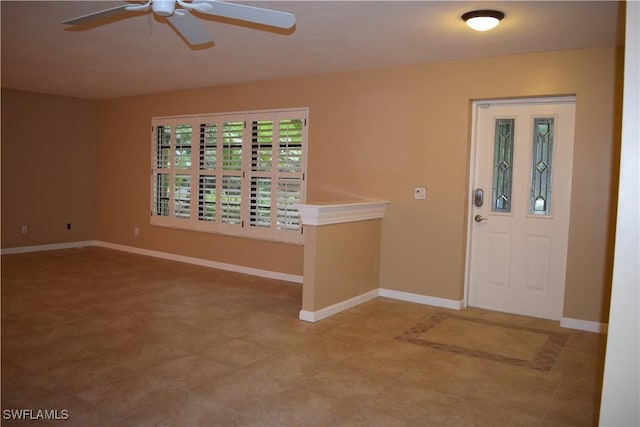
{"points": [[516, 259]]}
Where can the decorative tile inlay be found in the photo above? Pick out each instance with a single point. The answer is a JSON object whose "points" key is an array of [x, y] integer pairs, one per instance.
{"points": [[543, 360]]}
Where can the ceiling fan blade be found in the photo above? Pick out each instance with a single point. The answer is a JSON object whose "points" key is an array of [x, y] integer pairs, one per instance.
{"points": [[243, 12], [189, 27], [85, 19]]}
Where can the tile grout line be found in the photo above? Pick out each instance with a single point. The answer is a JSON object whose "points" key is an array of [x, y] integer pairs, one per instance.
{"points": [[555, 392]]}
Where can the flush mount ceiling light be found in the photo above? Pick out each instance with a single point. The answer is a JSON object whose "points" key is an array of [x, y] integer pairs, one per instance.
{"points": [[483, 20]]}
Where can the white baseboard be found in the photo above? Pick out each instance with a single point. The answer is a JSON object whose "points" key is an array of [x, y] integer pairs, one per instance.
{"points": [[584, 325], [422, 299], [307, 316], [314, 316], [49, 247], [203, 262]]}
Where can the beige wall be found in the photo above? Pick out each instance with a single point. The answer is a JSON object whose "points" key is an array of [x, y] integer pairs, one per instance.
{"points": [[377, 134], [342, 261], [48, 163]]}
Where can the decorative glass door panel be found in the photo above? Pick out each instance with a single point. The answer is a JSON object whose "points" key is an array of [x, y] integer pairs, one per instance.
{"points": [[502, 165], [540, 203]]}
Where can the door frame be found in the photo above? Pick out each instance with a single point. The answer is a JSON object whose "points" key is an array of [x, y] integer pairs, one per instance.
{"points": [[475, 105]]}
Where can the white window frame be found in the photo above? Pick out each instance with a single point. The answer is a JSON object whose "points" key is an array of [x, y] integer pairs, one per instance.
{"points": [[290, 230]]}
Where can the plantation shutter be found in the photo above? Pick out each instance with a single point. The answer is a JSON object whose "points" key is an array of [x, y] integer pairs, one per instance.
{"points": [[275, 174], [182, 167], [161, 174], [290, 171], [231, 186], [207, 166], [261, 174], [239, 174]]}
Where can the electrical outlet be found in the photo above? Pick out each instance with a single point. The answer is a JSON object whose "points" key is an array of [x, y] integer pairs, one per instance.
{"points": [[25, 229], [420, 193], [136, 231], [68, 226]]}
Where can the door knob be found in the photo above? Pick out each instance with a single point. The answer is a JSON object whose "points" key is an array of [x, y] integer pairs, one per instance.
{"points": [[479, 218]]}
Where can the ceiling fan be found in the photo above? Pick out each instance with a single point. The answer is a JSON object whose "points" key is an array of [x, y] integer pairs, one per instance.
{"points": [[178, 13]]}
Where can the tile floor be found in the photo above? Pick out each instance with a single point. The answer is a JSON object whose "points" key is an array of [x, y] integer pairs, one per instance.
{"points": [[117, 339]]}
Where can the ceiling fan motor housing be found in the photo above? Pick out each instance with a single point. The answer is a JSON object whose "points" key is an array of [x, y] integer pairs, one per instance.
{"points": [[163, 7]]}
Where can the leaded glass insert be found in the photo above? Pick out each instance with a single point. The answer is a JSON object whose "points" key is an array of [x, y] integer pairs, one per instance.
{"points": [[502, 165], [540, 201]]}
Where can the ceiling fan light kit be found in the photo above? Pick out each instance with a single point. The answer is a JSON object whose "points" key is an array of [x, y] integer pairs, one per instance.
{"points": [[187, 24], [483, 20], [162, 8]]}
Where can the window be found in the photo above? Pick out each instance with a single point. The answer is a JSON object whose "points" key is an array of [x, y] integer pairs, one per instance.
{"points": [[540, 200], [502, 165], [239, 173]]}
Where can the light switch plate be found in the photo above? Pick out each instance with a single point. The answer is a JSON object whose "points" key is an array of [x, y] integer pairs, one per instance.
{"points": [[420, 193]]}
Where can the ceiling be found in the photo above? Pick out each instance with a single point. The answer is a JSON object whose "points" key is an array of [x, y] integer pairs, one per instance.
{"points": [[142, 54]]}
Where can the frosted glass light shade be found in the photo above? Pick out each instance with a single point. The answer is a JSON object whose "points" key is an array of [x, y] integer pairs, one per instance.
{"points": [[482, 23], [483, 20]]}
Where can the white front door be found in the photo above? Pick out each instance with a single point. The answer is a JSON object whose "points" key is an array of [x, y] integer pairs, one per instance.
{"points": [[520, 201]]}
